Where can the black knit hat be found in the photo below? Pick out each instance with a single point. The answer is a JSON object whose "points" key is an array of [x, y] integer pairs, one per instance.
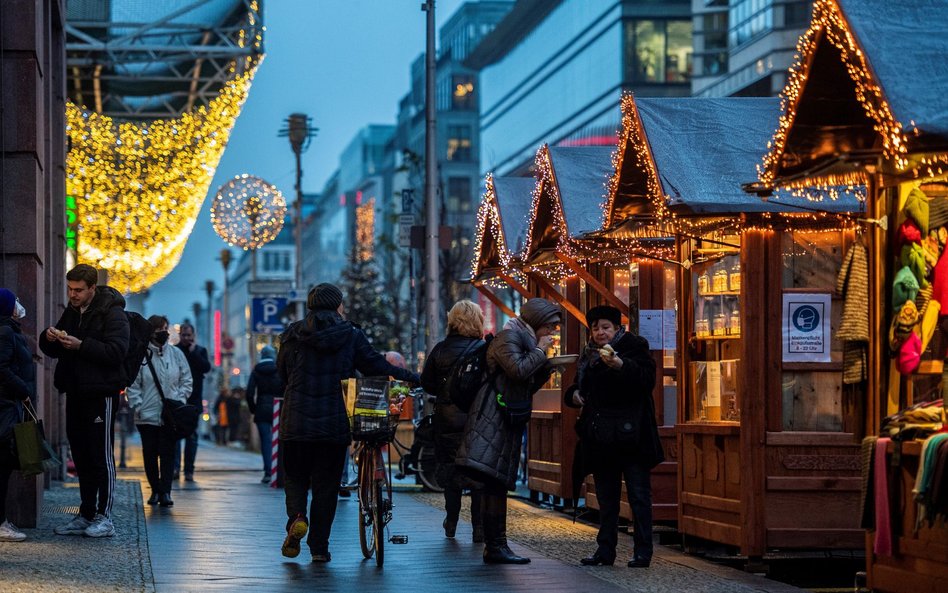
{"points": [[604, 312], [324, 296]]}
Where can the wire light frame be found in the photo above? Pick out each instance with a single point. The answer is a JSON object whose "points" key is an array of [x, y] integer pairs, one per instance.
{"points": [[247, 212]]}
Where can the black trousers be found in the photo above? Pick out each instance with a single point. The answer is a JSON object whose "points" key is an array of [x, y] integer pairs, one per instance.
{"points": [[7, 463], [318, 467], [90, 428], [608, 492], [158, 452]]}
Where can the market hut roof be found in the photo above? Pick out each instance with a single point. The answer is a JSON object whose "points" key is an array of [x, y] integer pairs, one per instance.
{"points": [[501, 224], [869, 82], [689, 156], [572, 183]]}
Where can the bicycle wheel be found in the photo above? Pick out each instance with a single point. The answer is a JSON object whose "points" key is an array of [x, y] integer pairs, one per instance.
{"points": [[427, 468], [367, 501], [379, 520]]}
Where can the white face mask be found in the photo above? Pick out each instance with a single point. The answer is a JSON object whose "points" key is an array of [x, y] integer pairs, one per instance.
{"points": [[19, 312]]}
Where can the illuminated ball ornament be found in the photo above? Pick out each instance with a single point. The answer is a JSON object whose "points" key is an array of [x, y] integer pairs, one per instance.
{"points": [[248, 212]]}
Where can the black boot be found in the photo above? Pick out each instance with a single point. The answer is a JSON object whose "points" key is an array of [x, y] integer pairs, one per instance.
{"points": [[496, 550], [164, 500]]}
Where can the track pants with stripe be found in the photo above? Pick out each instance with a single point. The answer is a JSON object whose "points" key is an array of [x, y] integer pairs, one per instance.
{"points": [[90, 428]]}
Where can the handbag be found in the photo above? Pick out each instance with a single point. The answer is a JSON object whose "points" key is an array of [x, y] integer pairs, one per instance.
{"points": [[609, 427], [181, 417], [34, 453]]}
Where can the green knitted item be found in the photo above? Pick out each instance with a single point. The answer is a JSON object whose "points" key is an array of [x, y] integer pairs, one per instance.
{"points": [[917, 208], [904, 288]]}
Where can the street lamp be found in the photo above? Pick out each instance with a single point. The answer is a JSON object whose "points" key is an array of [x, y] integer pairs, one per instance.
{"points": [[225, 258], [209, 289], [300, 133]]}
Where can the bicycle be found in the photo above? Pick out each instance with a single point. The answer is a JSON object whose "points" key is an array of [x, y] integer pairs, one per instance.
{"points": [[373, 430], [419, 459]]}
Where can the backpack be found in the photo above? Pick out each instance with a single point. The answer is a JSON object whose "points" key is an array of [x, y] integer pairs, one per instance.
{"points": [[139, 332], [468, 375]]}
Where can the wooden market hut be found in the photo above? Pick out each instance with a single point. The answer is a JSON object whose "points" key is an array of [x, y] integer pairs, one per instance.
{"points": [[767, 452], [866, 103]]}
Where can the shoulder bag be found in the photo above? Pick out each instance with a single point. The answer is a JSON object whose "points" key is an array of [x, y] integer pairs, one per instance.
{"points": [[181, 417]]}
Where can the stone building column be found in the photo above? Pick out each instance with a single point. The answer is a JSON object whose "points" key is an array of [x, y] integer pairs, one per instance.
{"points": [[32, 198]]}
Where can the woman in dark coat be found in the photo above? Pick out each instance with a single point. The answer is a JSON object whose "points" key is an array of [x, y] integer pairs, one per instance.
{"points": [[263, 388], [617, 426], [465, 330], [490, 452], [17, 385]]}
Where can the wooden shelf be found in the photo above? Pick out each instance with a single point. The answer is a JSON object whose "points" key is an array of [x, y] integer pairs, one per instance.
{"points": [[733, 293], [727, 337]]}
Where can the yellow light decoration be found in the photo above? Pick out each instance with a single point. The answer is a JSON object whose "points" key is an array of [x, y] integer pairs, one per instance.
{"points": [[365, 231], [247, 212], [488, 220], [829, 22], [139, 186]]}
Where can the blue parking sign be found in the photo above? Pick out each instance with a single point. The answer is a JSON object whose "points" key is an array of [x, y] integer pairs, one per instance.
{"points": [[265, 314]]}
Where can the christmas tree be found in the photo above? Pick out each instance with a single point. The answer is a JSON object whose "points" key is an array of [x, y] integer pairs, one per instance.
{"points": [[368, 304]]}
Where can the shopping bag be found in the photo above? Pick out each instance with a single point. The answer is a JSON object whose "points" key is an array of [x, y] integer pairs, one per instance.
{"points": [[33, 452]]}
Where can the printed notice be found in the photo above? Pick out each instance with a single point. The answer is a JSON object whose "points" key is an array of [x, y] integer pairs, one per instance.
{"points": [[714, 384], [650, 327], [670, 329], [806, 327]]}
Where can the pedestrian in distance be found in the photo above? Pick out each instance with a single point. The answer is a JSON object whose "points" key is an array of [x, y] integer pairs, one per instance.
{"points": [[222, 417], [465, 336], [316, 353], [165, 372], [517, 367], [90, 342], [264, 386], [17, 385], [618, 431], [200, 365]]}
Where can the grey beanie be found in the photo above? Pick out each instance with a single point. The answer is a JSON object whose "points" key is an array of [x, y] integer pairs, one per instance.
{"points": [[538, 312], [268, 352], [324, 296]]}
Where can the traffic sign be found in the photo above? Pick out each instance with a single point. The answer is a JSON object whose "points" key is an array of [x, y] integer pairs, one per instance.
{"points": [[405, 222], [269, 287], [266, 314]]}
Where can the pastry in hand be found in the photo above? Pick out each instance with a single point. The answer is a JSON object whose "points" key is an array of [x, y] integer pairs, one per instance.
{"points": [[607, 351]]}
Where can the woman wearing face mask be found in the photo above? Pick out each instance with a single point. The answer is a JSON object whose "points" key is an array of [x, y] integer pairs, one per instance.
{"points": [[169, 366], [17, 385], [614, 382]]}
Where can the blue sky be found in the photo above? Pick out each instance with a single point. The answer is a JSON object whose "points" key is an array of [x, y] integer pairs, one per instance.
{"points": [[343, 62]]}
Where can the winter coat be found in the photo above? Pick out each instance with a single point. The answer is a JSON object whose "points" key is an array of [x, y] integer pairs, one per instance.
{"points": [[174, 375], [449, 420], [316, 354], [626, 393], [517, 369], [96, 368], [200, 365], [17, 375], [264, 385]]}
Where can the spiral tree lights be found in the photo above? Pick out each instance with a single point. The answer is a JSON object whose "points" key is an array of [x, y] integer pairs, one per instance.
{"points": [[248, 212]]}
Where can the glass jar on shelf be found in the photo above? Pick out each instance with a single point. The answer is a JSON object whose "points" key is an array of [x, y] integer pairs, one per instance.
{"points": [[734, 324], [704, 283], [734, 278], [702, 329], [719, 326], [719, 281]]}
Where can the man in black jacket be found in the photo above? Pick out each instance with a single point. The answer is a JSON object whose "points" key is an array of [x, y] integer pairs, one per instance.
{"points": [[90, 340], [200, 365], [316, 353], [264, 386]]}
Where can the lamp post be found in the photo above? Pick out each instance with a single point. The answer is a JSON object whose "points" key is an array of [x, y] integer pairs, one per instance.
{"points": [[225, 262], [300, 133], [209, 289], [432, 263]]}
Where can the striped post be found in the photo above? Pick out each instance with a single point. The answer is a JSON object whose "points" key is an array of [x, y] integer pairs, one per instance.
{"points": [[275, 455]]}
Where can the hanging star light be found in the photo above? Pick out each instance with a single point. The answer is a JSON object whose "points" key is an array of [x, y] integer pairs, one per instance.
{"points": [[139, 186], [247, 212]]}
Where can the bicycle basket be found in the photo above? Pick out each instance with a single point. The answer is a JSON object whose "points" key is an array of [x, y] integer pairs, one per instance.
{"points": [[371, 419]]}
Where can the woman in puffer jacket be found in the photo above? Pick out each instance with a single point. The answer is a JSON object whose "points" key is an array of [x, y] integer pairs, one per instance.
{"points": [[158, 440], [465, 333], [617, 426], [490, 452]]}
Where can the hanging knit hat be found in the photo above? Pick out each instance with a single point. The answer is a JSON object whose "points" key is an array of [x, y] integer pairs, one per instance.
{"points": [[929, 323], [916, 208], [909, 232], [940, 280], [922, 299], [902, 325], [913, 257], [910, 355], [938, 213], [324, 296], [7, 302], [904, 288]]}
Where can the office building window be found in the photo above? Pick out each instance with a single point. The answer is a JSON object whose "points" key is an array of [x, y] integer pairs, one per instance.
{"points": [[749, 19], [459, 143], [797, 14], [658, 51], [462, 93], [458, 199]]}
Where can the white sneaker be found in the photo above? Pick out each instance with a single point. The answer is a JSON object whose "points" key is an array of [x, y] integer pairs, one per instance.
{"points": [[101, 527], [9, 533], [77, 526]]}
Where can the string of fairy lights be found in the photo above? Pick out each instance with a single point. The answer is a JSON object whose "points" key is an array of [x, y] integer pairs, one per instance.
{"points": [[365, 231], [139, 186], [247, 212]]}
